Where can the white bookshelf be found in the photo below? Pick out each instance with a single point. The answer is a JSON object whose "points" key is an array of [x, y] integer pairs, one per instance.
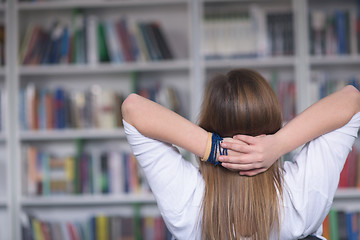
{"points": [[58, 70], [193, 68], [31, 6], [266, 62], [86, 200], [2, 137], [67, 134], [348, 193], [3, 202], [348, 60]]}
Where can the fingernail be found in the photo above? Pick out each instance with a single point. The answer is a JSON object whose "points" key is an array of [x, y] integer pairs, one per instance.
{"points": [[224, 145]]}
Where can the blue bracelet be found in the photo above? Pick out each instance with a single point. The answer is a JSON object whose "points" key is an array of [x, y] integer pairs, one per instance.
{"points": [[215, 146]]}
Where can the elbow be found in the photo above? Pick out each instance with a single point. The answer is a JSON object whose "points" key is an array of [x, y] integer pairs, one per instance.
{"points": [[354, 97], [128, 108]]}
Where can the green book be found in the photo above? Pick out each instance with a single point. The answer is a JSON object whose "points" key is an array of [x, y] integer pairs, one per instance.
{"points": [[102, 47], [77, 176], [45, 160], [334, 226]]}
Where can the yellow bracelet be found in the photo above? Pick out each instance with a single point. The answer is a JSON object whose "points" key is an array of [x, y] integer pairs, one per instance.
{"points": [[208, 148]]}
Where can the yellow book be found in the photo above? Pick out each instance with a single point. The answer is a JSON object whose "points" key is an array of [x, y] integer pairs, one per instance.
{"points": [[37, 230], [102, 227], [70, 173]]}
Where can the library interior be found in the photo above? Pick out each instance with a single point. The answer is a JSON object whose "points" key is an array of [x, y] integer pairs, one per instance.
{"points": [[66, 168]]}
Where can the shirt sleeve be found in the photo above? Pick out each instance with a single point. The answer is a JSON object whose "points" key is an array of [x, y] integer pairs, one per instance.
{"points": [[176, 184], [312, 178]]}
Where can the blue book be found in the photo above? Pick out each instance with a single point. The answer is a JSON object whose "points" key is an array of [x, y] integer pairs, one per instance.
{"points": [[126, 172], [340, 22], [113, 43], [60, 113], [65, 39], [351, 226], [42, 108]]}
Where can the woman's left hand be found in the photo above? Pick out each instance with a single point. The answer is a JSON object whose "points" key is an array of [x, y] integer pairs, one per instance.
{"points": [[250, 155]]}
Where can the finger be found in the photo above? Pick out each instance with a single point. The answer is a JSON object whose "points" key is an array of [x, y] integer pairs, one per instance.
{"points": [[242, 148], [234, 157], [239, 167], [262, 135], [245, 138], [253, 172]]}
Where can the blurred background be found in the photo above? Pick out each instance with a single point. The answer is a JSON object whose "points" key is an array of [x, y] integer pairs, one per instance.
{"points": [[66, 170]]}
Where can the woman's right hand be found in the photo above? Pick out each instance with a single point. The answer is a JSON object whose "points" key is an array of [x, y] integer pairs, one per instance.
{"points": [[251, 155]]}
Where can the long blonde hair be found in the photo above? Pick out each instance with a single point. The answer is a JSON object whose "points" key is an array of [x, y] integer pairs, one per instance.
{"points": [[234, 206]]}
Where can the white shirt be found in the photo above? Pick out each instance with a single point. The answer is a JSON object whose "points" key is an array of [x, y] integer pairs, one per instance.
{"points": [[310, 182]]}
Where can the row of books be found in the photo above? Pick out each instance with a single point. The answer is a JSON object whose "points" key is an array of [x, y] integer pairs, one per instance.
{"points": [[340, 225], [86, 39], [100, 227], [334, 33], [230, 32], [42, 108], [107, 172], [350, 175], [324, 83]]}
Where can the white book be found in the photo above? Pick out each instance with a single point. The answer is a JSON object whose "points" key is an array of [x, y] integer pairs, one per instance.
{"points": [[259, 23], [113, 42], [116, 173], [106, 109], [95, 168], [92, 40], [352, 34]]}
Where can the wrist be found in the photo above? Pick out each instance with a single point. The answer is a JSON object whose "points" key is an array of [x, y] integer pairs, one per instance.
{"points": [[281, 145]]}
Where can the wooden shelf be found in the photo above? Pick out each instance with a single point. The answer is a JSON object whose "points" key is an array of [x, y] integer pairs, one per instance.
{"points": [[52, 70], [87, 200], [68, 4], [251, 63], [68, 134]]}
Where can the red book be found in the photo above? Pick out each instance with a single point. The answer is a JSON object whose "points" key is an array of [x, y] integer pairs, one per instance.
{"points": [[352, 171], [344, 175], [73, 232], [124, 38], [46, 231], [32, 45]]}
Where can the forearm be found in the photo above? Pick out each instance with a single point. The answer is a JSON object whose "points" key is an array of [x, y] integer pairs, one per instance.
{"points": [[326, 115], [157, 122]]}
